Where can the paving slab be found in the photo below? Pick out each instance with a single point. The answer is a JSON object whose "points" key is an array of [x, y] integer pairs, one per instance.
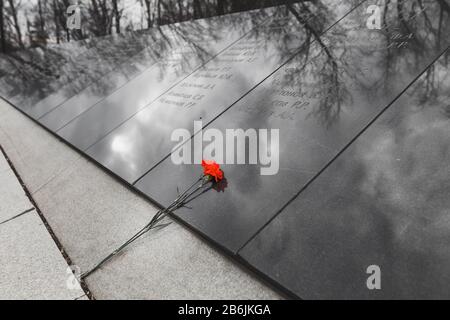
{"points": [[4, 165], [13, 199], [32, 266], [150, 269]]}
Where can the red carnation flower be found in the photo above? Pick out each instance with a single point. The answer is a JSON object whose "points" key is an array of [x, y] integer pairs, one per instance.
{"points": [[212, 169]]}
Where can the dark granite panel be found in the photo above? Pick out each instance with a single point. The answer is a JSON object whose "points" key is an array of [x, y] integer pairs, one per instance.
{"points": [[68, 68], [319, 101], [92, 89], [175, 46], [141, 142], [54, 116], [385, 202], [138, 93]]}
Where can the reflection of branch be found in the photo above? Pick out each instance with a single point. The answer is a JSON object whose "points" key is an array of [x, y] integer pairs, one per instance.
{"points": [[444, 5], [429, 87], [386, 4], [425, 15], [330, 105], [404, 23], [312, 30], [201, 51]]}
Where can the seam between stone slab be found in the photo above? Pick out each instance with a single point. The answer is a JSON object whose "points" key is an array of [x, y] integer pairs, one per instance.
{"points": [[61, 249], [56, 175], [329, 163], [17, 216]]}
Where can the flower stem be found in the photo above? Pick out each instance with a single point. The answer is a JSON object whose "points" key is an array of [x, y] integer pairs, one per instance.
{"points": [[179, 202]]}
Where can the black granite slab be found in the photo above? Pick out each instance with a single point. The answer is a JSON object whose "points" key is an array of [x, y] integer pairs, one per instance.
{"points": [[141, 142], [319, 101], [44, 72], [175, 47], [73, 69], [159, 43], [95, 87], [37, 72], [62, 107], [385, 201], [97, 121], [23, 70], [9, 63]]}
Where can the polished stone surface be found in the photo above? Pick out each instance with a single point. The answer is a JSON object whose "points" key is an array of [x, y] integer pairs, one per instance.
{"points": [[384, 201], [72, 68], [319, 101], [170, 45], [141, 142], [55, 116], [47, 75], [86, 91], [201, 41], [19, 69]]}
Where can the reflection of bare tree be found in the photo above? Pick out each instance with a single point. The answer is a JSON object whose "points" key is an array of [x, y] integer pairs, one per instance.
{"points": [[44, 69], [101, 22], [411, 28], [12, 9], [315, 62], [75, 66], [412, 33], [422, 31], [324, 60], [405, 39], [2, 29], [429, 91], [432, 88], [333, 89], [46, 19], [84, 62]]}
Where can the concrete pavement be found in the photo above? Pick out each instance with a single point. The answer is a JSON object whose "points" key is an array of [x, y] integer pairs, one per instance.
{"points": [[31, 265]]}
